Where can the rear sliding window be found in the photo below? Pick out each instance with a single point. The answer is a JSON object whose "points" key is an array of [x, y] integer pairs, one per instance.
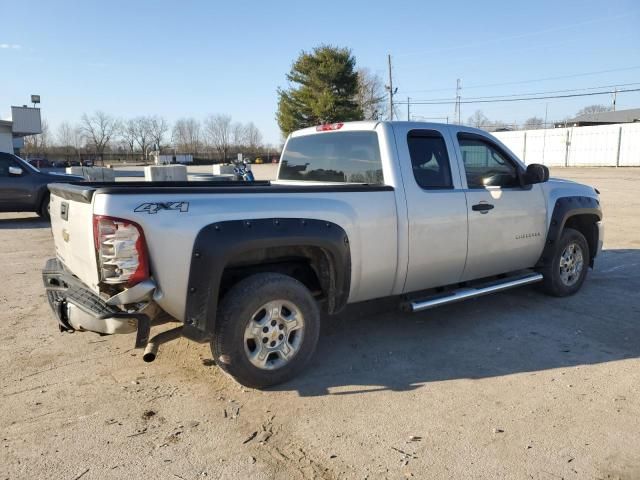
{"points": [[333, 157]]}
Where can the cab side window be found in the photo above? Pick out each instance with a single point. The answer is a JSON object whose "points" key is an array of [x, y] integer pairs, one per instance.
{"points": [[485, 165], [429, 159]]}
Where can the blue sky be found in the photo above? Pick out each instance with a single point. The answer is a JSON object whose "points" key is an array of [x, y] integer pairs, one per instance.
{"points": [[181, 59]]}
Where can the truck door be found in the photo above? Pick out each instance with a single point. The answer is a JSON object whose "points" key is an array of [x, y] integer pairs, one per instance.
{"points": [[15, 185], [507, 222], [436, 207]]}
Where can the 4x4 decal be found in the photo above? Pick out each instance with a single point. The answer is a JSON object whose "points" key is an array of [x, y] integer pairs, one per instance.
{"points": [[156, 207]]}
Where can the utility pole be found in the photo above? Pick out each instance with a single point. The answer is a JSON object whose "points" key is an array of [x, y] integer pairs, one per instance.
{"points": [[408, 109], [615, 94], [390, 89], [457, 110]]}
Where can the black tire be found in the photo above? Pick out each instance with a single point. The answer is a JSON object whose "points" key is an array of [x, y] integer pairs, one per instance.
{"points": [[239, 307], [553, 283], [43, 211]]}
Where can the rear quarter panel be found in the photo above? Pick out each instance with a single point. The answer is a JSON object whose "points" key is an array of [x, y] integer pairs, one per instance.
{"points": [[369, 218]]}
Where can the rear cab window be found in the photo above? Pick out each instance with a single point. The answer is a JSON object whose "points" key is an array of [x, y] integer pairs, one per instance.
{"points": [[338, 157], [429, 159]]}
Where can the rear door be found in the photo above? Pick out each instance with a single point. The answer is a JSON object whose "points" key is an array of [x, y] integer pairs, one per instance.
{"points": [[436, 206], [507, 222]]}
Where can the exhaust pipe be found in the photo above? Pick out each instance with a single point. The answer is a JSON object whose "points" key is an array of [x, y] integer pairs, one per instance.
{"points": [[151, 350]]}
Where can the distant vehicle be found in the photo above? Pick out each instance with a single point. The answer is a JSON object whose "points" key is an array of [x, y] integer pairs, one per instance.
{"points": [[40, 163], [428, 213], [87, 163], [58, 164], [74, 163], [23, 188]]}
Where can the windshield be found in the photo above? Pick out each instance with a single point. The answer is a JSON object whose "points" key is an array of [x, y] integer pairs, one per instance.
{"points": [[24, 164]]}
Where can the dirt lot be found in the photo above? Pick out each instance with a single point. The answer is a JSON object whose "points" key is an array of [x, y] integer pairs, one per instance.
{"points": [[516, 385]]}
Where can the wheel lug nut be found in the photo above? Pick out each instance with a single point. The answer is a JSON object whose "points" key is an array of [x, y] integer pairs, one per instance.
{"points": [[273, 323], [280, 337], [273, 343], [265, 339], [281, 326], [265, 329]]}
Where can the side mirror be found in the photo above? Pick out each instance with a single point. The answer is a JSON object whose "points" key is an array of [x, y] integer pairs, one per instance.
{"points": [[536, 173], [17, 171]]}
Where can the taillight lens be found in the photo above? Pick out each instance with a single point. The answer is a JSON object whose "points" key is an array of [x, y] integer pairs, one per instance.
{"points": [[121, 250]]}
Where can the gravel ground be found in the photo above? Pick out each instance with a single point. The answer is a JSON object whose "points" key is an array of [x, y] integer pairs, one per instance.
{"points": [[515, 385]]}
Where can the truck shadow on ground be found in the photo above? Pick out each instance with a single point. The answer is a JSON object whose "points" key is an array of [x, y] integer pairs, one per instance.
{"points": [[372, 347], [22, 223]]}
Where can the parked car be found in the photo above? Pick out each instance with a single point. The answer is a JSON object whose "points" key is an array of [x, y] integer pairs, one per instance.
{"points": [[427, 213], [23, 188], [40, 163]]}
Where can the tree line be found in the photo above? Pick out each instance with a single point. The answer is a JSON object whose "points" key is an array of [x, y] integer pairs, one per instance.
{"points": [[217, 137], [480, 120]]}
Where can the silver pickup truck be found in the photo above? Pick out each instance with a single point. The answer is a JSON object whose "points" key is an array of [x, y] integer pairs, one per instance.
{"points": [[428, 213]]}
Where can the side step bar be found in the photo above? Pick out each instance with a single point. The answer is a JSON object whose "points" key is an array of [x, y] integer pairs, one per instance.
{"points": [[465, 293]]}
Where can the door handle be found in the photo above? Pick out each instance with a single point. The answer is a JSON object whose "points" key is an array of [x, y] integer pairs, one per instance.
{"points": [[482, 207]]}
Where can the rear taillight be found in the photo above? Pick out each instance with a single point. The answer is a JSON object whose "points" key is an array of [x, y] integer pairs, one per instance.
{"points": [[121, 250]]}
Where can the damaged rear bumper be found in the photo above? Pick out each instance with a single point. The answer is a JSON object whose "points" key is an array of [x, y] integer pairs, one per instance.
{"points": [[76, 307]]}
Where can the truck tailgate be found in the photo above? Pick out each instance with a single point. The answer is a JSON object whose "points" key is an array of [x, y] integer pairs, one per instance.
{"points": [[72, 229]]}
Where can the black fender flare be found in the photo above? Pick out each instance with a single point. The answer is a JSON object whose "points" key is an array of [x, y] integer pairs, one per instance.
{"points": [[218, 243], [565, 208]]}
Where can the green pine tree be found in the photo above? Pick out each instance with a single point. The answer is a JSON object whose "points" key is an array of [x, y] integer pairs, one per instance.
{"points": [[323, 89]]}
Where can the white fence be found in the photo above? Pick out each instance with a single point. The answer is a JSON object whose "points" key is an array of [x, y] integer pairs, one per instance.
{"points": [[600, 146]]}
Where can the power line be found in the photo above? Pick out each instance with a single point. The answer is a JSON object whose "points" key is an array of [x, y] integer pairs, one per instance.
{"points": [[449, 102], [521, 82], [567, 90]]}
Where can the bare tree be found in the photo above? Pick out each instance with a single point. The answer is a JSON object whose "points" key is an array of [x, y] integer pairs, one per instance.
{"points": [[252, 136], [38, 144], [592, 109], [128, 134], [186, 135], [65, 138], [478, 119], [99, 129], [371, 95], [238, 134], [142, 129], [64, 135], [218, 132], [534, 123], [158, 128]]}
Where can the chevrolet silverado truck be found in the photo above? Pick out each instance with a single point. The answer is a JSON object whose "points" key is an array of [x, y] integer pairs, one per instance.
{"points": [[428, 213]]}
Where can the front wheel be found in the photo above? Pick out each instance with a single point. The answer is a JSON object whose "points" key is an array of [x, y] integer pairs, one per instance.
{"points": [[565, 273], [43, 211], [266, 331]]}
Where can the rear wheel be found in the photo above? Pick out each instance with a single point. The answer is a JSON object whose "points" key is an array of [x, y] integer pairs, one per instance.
{"points": [[565, 273], [267, 330], [43, 211]]}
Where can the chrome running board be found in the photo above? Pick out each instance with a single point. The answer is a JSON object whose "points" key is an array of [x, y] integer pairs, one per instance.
{"points": [[466, 293]]}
